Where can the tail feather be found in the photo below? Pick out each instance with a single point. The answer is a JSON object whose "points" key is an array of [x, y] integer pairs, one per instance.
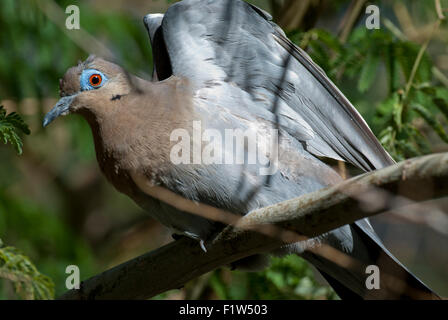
{"points": [[396, 281]]}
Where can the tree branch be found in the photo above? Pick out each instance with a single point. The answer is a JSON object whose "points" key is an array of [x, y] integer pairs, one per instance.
{"points": [[351, 16], [311, 215]]}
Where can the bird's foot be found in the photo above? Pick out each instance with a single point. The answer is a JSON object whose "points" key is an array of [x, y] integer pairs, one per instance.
{"points": [[202, 244], [177, 236]]}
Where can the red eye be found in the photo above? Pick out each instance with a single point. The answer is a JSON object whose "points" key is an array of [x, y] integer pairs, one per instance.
{"points": [[95, 80]]}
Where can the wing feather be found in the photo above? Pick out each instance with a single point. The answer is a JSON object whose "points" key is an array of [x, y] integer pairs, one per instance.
{"points": [[228, 44]]}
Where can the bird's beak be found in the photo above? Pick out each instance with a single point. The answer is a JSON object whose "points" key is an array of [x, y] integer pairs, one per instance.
{"points": [[62, 107]]}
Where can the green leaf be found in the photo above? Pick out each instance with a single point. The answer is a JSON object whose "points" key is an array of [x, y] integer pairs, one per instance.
{"points": [[28, 282], [442, 105], [406, 54], [408, 148], [393, 68], [218, 285], [10, 125], [431, 120], [329, 40], [393, 105], [418, 138], [368, 72]]}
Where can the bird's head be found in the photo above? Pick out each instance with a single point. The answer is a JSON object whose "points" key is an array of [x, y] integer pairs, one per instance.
{"points": [[86, 87]]}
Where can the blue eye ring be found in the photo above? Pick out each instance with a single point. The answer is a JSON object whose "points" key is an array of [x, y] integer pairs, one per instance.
{"points": [[92, 79]]}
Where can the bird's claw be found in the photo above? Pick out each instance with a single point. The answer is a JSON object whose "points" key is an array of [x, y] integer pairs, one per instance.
{"points": [[202, 244]]}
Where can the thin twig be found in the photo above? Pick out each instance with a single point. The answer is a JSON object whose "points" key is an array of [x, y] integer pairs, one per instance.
{"points": [[439, 10], [419, 58], [350, 19], [80, 37], [401, 36]]}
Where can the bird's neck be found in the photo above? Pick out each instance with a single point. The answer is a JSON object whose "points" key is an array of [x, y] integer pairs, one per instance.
{"points": [[135, 135]]}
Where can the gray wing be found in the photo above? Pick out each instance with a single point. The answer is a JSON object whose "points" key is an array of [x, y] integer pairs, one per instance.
{"points": [[152, 22], [242, 63], [161, 63], [231, 48]]}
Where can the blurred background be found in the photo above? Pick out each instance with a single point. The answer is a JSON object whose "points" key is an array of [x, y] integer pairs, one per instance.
{"points": [[56, 209]]}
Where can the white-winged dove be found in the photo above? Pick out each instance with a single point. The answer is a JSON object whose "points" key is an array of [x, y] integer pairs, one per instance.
{"points": [[225, 65]]}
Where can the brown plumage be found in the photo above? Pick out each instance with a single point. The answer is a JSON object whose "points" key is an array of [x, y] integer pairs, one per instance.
{"points": [[125, 140], [132, 120]]}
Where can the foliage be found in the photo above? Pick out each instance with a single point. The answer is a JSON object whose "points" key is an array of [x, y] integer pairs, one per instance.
{"points": [[46, 238], [9, 125], [37, 61], [28, 282], [37, 52], [287, 278], [35, 214], [368, 53]]}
